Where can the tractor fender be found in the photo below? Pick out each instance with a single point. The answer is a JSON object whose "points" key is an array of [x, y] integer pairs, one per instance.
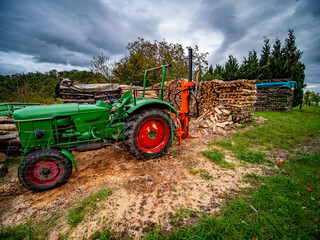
{"points": [[150, 103], [69, 155]]}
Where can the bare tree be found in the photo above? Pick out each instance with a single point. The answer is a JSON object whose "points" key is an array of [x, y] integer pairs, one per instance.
{"points": [[101, 64]]}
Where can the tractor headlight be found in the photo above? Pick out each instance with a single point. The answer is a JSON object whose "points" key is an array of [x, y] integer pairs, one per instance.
{"points": [[39, 133]]}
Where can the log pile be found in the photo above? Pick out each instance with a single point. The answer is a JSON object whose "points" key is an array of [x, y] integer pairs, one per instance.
{"points": [[171, 92], [148, 92], [274, 99], [8, 135], [238, 97], [219, 122], [231, 101], [208, 95], [71, 92]]}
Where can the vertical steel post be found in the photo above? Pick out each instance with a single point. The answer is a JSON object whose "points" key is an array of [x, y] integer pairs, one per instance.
{"points": [[144, 82], [164, 72], [190, 63]]}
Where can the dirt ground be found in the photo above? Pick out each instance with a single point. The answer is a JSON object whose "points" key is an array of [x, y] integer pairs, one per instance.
{"points": [[144, 193]]}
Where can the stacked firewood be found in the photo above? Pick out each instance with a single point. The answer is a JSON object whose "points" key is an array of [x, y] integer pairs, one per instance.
{"points": [[9, 141], [234, 100], [71, 92], [171, 92], [239, 97], [274, 99], [218, 121], [208, 96], [149, 93], [9, 136]]}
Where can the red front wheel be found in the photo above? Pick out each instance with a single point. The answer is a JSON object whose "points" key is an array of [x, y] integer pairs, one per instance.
{"points": [[44, 170], [148, 134]]}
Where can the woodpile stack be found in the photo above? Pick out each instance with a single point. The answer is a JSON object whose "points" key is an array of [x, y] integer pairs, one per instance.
{"points": [[208, 95], [9, 135], [238, 97], [148, 93], [225, 104], [71, 92], [219, 121], [3, 163], [274, 99], [231, 101], [171, 92]]}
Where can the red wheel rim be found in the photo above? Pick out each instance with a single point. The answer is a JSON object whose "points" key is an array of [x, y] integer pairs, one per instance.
{"points": [[45, 172], [152, 135]]}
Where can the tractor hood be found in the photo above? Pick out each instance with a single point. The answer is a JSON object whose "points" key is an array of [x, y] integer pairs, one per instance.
{"points": [[60, 110]]}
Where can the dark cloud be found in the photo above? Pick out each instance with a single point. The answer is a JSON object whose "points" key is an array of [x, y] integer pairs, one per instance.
{"points": [[221, 16], [244, 23], [71, 32], [309, 7], [236, 19], [67, 32]]}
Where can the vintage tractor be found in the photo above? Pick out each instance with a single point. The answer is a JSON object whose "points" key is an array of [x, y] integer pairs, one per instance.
{"points": [[49, 133]]}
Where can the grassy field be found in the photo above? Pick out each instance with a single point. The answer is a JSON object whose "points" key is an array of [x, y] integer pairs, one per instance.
{"points": [[38, 230], [285, 204]]}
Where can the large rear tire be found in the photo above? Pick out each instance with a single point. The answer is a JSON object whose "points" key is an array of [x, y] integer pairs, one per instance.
{"points": [[148, 134], [44, 170]]}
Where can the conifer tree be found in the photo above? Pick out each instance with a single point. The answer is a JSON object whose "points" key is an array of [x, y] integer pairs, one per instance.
{"points": [[293, 67], [218, 72], [265, 58], [231, 69], [250, 66], [277, 61]]}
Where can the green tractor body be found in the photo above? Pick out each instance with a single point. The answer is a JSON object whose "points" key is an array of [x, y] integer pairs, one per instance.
{"points": [[57, 125], [48, 133], [68, 125], [6, 109]]}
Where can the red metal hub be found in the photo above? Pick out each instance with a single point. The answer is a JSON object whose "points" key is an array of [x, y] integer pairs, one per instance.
{"points": [[152, 135], [46, 172]]}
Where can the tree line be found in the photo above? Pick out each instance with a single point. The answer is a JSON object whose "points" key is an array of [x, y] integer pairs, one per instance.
{"points": [[278, 61], [40, 87], [311, 98]]}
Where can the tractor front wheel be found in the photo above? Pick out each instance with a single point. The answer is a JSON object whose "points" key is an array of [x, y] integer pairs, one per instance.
{"points": [[149, 134], [44, 170]]}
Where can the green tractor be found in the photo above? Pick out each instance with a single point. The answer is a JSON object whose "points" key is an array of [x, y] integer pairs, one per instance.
{"points": [[49, 133]]}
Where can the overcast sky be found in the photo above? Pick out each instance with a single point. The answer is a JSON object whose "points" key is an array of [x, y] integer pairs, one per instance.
{"points": [[40, 35]]}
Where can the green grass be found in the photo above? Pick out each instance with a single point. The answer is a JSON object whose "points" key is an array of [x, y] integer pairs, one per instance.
{"points": [[206, 176], [277, 206], [29, 229], [285, 210], [106, 234], [39, 229], [191, 166], [180, 214], [77, 213], [217, 156], [281, 131], [253, 157]]}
